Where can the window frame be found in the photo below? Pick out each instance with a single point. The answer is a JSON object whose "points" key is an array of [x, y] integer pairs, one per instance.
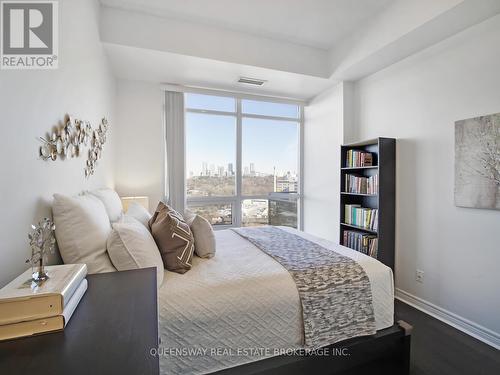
{"points": [[237, 199]]}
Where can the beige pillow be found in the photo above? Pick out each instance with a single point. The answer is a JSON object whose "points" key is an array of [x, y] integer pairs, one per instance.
{"points": [[131, 246], [111, 201], [204, 237], [82, 229], [173, 237], [139, 212]]}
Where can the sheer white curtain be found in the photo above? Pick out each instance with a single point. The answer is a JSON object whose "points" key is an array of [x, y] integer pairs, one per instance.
{"points": [[174, 133]]}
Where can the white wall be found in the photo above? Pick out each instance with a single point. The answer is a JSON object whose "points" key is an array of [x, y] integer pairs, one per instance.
{"points": [[323, 134], [139, 161], [417, 101], [31, 103]]}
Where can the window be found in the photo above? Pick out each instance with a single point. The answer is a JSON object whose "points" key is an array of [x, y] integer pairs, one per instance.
{"points": [[242, 160], [256, 107], [210, 102], [255, 212], [210, 155], [216, 214], [270, 151]]}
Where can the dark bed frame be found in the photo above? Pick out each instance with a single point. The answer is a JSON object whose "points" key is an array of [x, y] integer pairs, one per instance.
{"points": [[386, 352]]}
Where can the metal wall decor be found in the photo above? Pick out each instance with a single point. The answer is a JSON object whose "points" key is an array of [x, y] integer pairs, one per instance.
{"points": [[68, 140], [95, 152]]}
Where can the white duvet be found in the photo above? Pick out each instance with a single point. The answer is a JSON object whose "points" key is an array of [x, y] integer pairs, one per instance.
{"points": [[242, 305]]}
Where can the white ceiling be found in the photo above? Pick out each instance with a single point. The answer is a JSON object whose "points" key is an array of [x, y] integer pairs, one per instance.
{"points": [[316, 23], [131, 63], [301, 47]]}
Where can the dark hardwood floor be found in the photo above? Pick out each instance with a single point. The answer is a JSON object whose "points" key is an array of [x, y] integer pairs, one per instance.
{"points": [[439, 349]]}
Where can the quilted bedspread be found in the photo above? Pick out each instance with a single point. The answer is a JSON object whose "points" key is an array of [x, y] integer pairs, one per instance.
{"points": [[334, 290], [242, 306]]}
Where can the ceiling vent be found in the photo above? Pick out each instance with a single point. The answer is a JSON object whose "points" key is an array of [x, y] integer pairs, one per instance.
{"points": [[252, 81]]}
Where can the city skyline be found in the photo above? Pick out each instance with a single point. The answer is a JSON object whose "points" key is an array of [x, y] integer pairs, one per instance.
{"points": [[214, 170]]}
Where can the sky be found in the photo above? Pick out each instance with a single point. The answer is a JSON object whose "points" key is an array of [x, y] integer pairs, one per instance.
{"points": [[266, 143]]}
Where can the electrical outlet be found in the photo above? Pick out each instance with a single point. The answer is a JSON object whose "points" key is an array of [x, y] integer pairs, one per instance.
{"points": [[419, 276]]}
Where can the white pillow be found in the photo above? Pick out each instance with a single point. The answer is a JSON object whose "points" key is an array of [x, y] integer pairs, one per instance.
{"points": [[131, 246], [111, 201], [139, 213], [82, 229]]}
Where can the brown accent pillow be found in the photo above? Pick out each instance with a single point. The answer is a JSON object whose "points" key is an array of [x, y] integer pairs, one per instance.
{"points": [[173, 237]]}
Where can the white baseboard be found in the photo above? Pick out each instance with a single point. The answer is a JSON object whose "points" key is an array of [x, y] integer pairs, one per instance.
{"points": [[472, 329]]}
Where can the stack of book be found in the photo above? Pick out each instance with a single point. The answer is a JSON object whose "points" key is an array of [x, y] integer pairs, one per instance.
{"points": [[355, 159], [361, 184], [361, 217], [362, 242], [28, 309]]}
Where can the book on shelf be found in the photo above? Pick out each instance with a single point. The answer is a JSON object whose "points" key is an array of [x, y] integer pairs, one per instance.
{"points": [[355, 158], [362, 242], [45, 325], [362, 217], [361, 184], [23, 300]]}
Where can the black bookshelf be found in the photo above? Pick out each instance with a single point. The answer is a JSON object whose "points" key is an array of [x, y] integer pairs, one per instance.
{"points": [[383, 151]]}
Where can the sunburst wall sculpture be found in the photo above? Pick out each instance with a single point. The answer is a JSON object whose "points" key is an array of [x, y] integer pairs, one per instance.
{"points": [[69, 140]]}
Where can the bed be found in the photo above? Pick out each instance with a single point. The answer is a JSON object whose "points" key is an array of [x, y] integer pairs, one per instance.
{"points": [[242, 306], [268, 294]]}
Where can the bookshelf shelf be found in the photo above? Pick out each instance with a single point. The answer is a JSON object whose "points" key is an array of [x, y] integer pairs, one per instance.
{"points": [[363, 195], [383, 152], [355, 168], [359, 228]]}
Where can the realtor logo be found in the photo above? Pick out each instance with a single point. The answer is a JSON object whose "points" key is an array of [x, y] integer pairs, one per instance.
{"points": [[29, 35]]}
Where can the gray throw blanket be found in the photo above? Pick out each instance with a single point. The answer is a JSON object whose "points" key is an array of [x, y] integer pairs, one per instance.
{"points": [[334, 290]]}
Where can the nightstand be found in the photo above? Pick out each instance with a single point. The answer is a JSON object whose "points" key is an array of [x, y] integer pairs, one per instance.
{"points": [[112, 331]]}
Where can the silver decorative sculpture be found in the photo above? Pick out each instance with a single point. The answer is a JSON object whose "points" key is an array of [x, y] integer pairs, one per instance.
{"points": [[42, 242], [68, 141]]}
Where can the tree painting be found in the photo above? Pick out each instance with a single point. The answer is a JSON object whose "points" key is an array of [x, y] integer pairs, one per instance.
{"points": [[477, 162]]}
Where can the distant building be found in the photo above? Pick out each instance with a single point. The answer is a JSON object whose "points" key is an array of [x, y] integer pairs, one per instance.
{"points": [[204, 169], [252, 169], [220, 171], [230, 169], [245, 171], [285, 184]]}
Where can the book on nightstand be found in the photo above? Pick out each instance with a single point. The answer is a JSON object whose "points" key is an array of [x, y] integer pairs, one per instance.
{"points": [[44, 325], [27, 308]]}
